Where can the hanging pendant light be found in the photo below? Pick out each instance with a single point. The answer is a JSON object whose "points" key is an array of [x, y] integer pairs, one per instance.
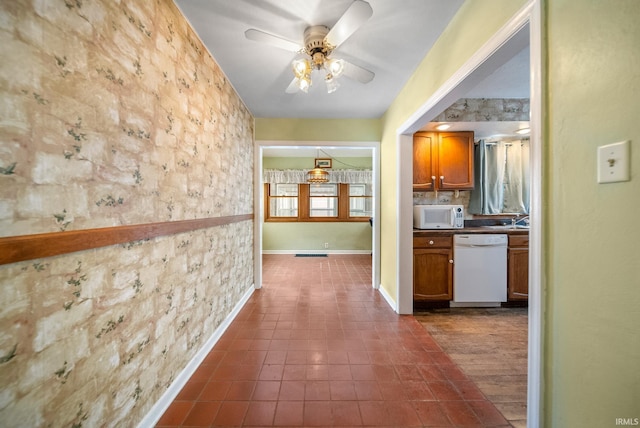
{"points": [[318, 175]]}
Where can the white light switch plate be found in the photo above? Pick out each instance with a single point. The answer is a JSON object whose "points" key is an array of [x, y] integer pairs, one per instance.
{"points": [[613, 162]]}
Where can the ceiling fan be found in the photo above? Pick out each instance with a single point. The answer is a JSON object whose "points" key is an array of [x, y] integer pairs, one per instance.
{"points": [[319, 43]]}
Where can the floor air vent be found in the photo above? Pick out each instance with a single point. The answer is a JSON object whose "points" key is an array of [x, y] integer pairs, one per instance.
{"points": [[311, 255]]}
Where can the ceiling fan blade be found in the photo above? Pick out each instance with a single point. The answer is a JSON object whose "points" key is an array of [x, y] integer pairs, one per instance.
{"points": [[279, 42], [293, 87], [358, 73], [356, 15]]}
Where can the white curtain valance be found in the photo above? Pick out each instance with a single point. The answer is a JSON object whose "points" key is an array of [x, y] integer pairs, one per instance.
{"points": [[300, 176]]}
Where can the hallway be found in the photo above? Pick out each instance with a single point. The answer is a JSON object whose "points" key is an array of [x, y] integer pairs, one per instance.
{"points": [[317, 346]]}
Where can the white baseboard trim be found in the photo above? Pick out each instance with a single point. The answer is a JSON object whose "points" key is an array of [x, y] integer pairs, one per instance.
{"points": [[158, 409], [316, 251], [388, 298]]}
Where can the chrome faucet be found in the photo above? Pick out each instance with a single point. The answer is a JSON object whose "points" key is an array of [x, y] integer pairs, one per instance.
{"points": [[515, 220]]}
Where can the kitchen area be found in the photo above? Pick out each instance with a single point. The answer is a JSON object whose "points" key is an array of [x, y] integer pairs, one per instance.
{"points": [[470, 239]]}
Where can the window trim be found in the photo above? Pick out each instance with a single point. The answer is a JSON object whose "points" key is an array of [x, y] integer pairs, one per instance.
{"points": [[304, 207]]}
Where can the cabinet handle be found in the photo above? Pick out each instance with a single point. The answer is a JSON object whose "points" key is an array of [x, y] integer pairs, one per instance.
{"points": [[450, 261], [441, 181], [430, 242], [433, 181]]}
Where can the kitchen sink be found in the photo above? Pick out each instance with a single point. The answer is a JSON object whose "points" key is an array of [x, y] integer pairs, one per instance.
{"points": [[508, 226]]}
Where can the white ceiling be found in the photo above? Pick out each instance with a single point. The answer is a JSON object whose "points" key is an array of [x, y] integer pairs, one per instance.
{"points": [[391, 44]]}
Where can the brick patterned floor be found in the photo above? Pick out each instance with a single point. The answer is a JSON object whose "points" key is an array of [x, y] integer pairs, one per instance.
{"points": [[317, 346]]}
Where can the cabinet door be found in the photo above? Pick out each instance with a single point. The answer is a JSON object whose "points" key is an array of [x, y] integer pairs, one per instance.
{"points": [[424, 155], [432, 274], [518, 274], [455, 161]]}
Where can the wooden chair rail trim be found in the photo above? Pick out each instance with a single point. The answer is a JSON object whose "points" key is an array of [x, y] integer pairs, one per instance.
{"points": [[28, 247]]}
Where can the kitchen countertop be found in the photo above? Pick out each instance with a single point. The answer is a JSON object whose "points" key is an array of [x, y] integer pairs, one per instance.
{"points": [[474, 229]]}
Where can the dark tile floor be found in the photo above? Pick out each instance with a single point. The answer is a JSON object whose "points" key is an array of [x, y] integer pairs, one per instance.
{"points": [[316, 346]]}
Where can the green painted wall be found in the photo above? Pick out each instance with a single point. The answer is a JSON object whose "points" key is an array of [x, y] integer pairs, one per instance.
{"points": [[592, 238], [313, 236]]}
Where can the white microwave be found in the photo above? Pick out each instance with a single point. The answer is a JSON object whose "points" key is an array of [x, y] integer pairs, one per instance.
{"points": [[438, 216]]}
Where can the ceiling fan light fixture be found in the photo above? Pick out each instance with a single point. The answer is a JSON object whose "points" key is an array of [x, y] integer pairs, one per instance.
{"points": [[331, 82], [304, 83], [319, 43], [335, 67], [318, 59], [301, 68]]}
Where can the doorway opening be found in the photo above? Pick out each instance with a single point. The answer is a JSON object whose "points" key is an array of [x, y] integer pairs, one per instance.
{"points": [[329, 152]]}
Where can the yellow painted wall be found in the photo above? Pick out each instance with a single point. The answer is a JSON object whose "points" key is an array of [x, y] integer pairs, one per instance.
{"points": [[473, 25], [289, 129], [592, 250]]}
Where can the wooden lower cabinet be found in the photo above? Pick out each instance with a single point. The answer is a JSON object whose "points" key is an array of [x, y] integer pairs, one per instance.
{"points": [[432, 269], [518, 268]]}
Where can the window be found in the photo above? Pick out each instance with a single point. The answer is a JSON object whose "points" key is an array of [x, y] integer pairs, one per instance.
{"points": [[283, 200], [323, 200], [318, 202], [504, 179], [360, 200]]}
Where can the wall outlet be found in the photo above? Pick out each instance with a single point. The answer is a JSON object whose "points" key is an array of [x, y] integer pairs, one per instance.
{"points": [[326, 245]]}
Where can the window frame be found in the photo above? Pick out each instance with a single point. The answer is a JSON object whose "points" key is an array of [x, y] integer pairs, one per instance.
{"points": [[304, 207], [362, 198], [277, 197]]}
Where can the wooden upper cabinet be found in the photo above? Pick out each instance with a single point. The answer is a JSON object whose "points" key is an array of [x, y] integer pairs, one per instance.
{"points": [[455, 161], [424, 146], [443, 161]]}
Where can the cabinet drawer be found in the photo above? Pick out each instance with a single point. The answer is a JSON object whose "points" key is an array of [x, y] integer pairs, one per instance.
{"points": [[519, 241], [432, 242]]}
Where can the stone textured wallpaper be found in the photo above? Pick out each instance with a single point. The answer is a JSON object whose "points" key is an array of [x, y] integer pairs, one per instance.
{"points": [[113, 113], [486, 110]]}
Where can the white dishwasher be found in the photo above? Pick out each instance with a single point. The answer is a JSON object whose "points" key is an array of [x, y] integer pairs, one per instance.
{"points": [[479, 270]]}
